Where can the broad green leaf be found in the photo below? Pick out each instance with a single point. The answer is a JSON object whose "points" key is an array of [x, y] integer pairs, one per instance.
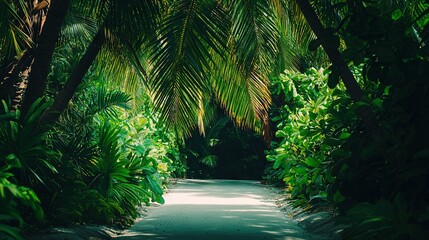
{"points": [[344, 135], [312, 162]]}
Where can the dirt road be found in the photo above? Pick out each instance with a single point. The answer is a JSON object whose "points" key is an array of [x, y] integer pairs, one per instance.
{"points": [[216, 209]]}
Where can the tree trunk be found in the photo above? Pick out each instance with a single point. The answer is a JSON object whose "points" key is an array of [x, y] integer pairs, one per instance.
{"points": [[21, 85], [65, 95], [334, 55], [11, 78], [14, 79], [43, 54]]}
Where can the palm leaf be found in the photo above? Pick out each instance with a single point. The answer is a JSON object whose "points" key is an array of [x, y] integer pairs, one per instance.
{"points": [[241, 81], [122, 59], [128, 26], [78, 29], [295, 38], [105, 101], [15, 35], [136, 16], [254, 34], [242, 98], [78, 150], [126, 69], [109, 167], [210, 160], [23, 138], [96, 9], [181, 57]]}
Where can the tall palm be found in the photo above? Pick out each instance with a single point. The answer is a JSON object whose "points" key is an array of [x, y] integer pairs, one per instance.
{"points": [[44, 50]]}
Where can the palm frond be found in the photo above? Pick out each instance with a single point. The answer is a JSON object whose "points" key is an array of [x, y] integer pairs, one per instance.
{"points": [[15, 34], [96, 9], [180, 57], [78, 150], [26, 140], [104, 100], [78, 29], [123, 66], [130, 195], [254, 35], [108, 168], [329, 12], [245, 98], [128, 26], [210, 160], [295, 38], [135, 21], [206, 113], [241, 82]]}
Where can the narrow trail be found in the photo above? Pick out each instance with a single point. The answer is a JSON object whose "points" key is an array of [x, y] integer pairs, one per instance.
{"points": [[216, 209]]}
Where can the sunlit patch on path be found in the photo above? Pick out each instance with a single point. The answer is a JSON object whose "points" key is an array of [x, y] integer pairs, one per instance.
{"points": [[216, 209]]}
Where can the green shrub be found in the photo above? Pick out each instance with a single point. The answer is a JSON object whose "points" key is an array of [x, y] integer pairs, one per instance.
{"points": [[308, 135], [20, 145], [377, 178], [115, 159]]}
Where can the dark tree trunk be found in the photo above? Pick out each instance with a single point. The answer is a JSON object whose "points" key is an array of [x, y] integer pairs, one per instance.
{"points": [[21, 85], [43, 54], [334, 55], [14, 79], [10, 77], [65, 95]]}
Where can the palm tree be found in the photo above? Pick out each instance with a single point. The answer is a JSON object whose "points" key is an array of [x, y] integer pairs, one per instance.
{"points": [[202, 50], [43, 52]]}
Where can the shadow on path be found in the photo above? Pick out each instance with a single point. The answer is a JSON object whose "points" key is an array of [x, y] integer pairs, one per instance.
{"points": [[216, 209]]}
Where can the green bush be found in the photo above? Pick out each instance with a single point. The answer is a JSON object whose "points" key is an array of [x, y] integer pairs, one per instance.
{"points": [[112, 161], [20, 146], [308, 135], [377, 177]]}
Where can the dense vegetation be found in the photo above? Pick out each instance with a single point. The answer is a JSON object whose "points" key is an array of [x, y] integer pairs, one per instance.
{"points": [[99, 98], [375, 175], [97, 164]]}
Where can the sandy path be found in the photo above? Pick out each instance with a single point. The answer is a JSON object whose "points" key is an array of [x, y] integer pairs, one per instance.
{"points": [[216, 209]]}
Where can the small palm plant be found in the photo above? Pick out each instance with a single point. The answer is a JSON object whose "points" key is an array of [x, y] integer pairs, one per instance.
{"points": [[23, 137], [23, 152], [125, 179]]}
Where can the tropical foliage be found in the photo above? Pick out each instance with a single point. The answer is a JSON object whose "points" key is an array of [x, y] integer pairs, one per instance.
{"points": [[98, 96], [309, 135], [97, 159], [20, 147], [113, 156], [369, 170]]}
